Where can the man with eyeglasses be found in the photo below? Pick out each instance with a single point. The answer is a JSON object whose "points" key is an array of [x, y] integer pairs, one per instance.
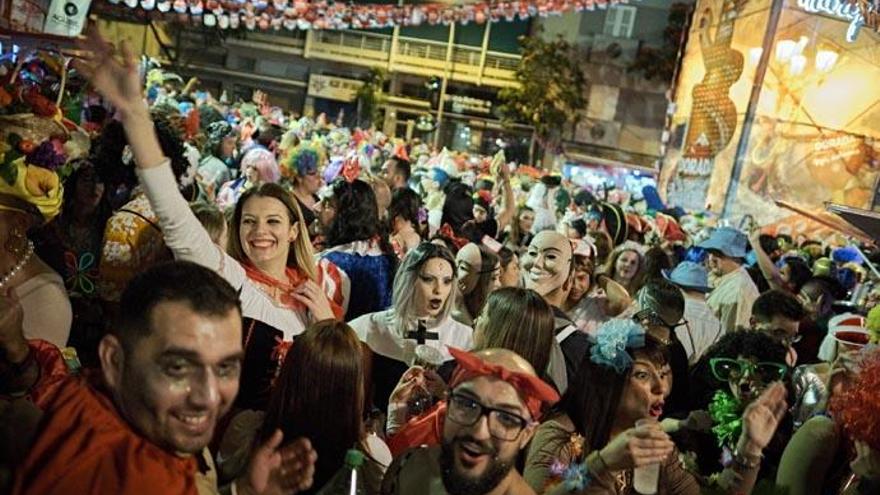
{"points": [[778, 314], [493, 409], [659, 308]]}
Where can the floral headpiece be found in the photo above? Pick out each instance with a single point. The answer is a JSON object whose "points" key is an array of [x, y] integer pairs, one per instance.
{"points": [[613, 339]]}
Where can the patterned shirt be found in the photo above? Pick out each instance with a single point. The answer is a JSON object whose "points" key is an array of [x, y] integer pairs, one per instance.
{"points": [[133, 242]]}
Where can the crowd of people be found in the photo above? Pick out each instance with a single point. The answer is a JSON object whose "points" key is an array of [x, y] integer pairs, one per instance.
{"points": [[200, 296]]}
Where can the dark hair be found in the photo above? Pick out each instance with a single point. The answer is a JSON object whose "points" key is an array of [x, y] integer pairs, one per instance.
{"points": [[477, 298], [95, 113], [584, 198], [742, 342], [604, 244], [654, 262], [505, 256], [768, 243], [799, 272], [594, 395], [319, 394], [358, 213], [111, 144], [579, 225], [403, 168], [519, 320], [777, 303], [458, 208], [662, 296], [201, 289], [103, 211], [405, 203]]}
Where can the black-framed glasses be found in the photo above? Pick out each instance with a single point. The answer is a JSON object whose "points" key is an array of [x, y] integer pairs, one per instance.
{"points": [[726, 369], [503, 425], [650, 317], [783, 336]]}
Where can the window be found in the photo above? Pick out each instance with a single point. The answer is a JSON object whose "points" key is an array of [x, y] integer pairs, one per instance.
{"points": [[619, 21]]}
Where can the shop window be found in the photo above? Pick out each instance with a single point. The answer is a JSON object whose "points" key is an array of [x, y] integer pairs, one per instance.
{"points": [[620, 20]]}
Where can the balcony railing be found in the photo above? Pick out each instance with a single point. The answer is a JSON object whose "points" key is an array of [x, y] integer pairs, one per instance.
{"points": [[415, 56]]}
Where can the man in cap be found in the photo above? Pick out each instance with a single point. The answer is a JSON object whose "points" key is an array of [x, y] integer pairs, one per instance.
{"points": [[491, 414], [734, 292], [169, 371], [703, 327]]}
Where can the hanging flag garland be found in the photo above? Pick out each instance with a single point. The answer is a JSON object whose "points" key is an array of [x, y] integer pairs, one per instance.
{"points": [[322, 14]]}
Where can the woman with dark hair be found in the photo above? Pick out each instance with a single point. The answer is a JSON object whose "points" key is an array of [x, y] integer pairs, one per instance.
{"points": [[458, 208], [519, 320], [356, 244], [606, 424], [425, 287], [403, 219], [318, 395]]}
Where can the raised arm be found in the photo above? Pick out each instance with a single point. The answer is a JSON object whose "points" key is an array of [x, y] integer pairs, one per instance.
{"points": [[115, 76], [768, 269]]}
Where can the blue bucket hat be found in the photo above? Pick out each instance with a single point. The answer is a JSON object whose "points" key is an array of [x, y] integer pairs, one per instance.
{"points": [[689, 275], [727, 240]]}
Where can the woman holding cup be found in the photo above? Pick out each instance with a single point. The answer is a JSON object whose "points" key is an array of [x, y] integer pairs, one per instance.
{"points": [[422, 298], [605, 437]]}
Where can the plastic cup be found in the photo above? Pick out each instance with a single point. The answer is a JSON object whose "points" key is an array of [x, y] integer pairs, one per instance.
{"points": [[645, 478]]}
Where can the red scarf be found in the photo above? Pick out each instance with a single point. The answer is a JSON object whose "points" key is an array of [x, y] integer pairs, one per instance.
{"points": [[534, 392], [279, 290]]}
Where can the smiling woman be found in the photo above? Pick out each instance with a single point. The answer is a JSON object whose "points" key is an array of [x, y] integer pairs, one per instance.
{"points": [[282, 288]]}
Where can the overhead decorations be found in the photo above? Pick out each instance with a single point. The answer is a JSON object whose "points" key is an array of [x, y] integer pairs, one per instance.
{"points": [[322, 14]]}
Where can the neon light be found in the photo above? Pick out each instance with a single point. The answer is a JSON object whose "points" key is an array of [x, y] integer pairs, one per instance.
{"points": [[841, 9]]}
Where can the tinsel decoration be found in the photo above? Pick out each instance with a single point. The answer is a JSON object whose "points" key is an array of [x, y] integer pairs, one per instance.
{"points": [[726, 411]]}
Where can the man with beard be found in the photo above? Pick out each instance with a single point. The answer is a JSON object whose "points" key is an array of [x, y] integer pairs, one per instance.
{"points": [[493, 409], [548, 264], [169, 371]]}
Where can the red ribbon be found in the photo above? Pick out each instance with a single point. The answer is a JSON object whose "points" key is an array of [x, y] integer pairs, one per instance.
{"points": [[446, 231], [534, 391]]}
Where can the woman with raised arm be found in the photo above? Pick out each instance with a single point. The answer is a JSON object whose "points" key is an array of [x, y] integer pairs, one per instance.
{"points": [[271, 261]]}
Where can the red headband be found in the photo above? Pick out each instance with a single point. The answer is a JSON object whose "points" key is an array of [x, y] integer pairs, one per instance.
{"points": [[532, 389]]}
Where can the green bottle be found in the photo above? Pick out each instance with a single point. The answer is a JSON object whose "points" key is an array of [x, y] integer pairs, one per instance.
{"points": [[349, 479]]}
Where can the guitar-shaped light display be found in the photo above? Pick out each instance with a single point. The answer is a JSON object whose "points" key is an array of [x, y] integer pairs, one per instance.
{"points": [[713, 113]]}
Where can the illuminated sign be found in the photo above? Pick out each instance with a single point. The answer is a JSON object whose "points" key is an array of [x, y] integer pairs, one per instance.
{"points": [[851, 11]]}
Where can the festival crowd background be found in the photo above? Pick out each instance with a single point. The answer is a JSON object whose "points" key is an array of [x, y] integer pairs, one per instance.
{"points": [[207, 296]]}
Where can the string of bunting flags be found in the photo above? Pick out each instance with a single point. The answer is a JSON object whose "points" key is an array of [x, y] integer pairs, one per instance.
{"points": [[322, 14]]}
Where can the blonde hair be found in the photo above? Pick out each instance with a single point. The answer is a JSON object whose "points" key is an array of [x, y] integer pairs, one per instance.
{"points": [[301, 254]]}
